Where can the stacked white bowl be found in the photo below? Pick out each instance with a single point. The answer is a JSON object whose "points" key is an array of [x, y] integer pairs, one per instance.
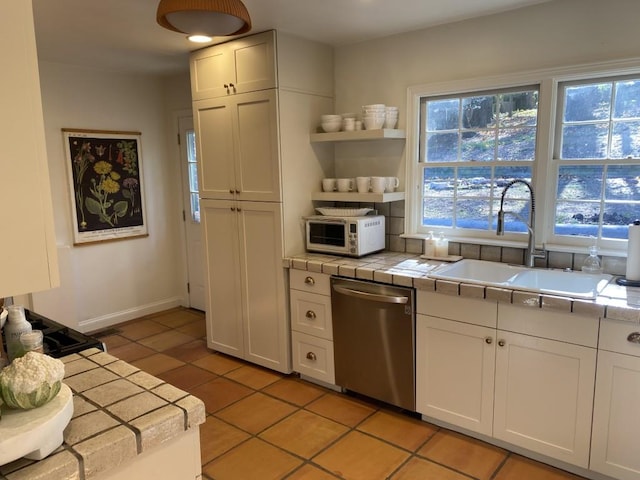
{"points": [[331, 123], [373, 116], [390, 117]]}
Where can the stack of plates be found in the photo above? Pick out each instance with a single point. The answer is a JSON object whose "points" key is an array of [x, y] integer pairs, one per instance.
{"points": [[344, 212]]}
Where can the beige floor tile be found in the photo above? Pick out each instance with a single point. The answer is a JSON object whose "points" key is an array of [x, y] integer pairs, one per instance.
{"points": [[254, 459], [114, 341], [131, 352], [360, 457], [464, 454], [342, 409], [141, 329], [517, 468], [311, 472], [157, 363], [165, 340], [187, 377], [189, 352], [304, 433], [178, 318], [255, 412], [295, 391], [254, 377], [220, 393], [218, 437], [218, 363], [401, 430], [194, 329], [421, 469]]}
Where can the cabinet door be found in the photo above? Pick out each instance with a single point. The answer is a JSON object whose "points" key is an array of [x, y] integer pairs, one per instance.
{"points": [[266, 327], [616, 423], [213, 121], [455, 372], [238, 66], [223, 280], [544, 396]]}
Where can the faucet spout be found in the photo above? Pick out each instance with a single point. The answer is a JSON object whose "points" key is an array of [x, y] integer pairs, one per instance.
{"points": [[532, 252]]}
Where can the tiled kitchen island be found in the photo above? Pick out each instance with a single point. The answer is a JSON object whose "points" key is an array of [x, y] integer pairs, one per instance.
{"points": [[126, 424]]}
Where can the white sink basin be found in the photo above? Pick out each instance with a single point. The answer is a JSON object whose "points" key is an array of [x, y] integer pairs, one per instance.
{"points": [[554, 282]]}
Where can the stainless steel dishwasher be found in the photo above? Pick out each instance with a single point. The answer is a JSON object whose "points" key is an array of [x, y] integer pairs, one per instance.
{"points": [[374, 340]]}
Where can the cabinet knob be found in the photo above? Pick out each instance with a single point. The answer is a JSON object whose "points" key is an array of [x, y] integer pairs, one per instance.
{"points": [[231, 190], [502, 343], [237, 191], [634, 337], [238, 209], [311, 315], [232, 86], [311, 356], [488, 340], [309, 281]]}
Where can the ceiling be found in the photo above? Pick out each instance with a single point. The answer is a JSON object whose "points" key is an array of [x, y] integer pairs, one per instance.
{"points": [[123, 34]]}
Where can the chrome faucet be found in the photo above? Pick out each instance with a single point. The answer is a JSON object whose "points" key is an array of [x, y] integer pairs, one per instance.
{"points": [[532, 252]]}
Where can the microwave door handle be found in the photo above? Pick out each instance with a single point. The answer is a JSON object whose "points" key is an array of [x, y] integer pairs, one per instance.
{"points": [[370, 296]]}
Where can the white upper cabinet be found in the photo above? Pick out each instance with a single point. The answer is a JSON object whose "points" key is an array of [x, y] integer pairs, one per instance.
{"points": [[240, 66], [27, 242]]}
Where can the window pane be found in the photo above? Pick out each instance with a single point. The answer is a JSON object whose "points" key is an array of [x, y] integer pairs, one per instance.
{"points": [[437, 212], [443, 114], [617, 217], [442, 147], [195, 207], [580, 182], [439, 181], [577, 218], [517, 144], [474, 182], [584, 141], [627, 99], [193, 177], [623, 183], [625, 142], [587, 102], [516, 214], [519, 109], [477, 112], [504, 175], [473, 214], [478, 146]]}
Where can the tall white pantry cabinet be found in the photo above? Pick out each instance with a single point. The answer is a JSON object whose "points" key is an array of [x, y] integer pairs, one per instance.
{"points": [[255, 101]]}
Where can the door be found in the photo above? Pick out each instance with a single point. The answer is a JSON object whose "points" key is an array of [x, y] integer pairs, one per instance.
{"points": [[191, 213], [544, 396], [455, 364]]}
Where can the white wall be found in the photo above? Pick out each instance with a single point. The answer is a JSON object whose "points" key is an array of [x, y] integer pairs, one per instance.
{"points": [[107, 283], [553, 34]]}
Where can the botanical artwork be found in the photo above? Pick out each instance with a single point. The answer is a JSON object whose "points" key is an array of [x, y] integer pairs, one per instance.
{"points": [[105, 178]]}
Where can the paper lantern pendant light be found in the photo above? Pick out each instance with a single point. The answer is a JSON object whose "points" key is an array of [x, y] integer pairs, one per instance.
{"points": [[204, 17]]}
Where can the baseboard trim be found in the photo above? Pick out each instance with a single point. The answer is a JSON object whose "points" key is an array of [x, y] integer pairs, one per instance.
{"points": [[104, 321]]}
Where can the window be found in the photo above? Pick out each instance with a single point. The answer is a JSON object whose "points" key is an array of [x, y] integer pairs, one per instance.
{"points": [[573, 134], [597, 149], [193, 176], [471, 146]]}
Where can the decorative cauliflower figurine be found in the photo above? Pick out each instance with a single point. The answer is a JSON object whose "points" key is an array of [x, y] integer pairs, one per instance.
{"points": [[31, 381]]}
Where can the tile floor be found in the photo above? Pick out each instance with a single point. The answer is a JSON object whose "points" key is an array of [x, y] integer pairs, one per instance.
{"points": [[265, 425]]}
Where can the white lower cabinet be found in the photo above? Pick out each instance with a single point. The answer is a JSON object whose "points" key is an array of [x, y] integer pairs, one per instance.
{"points": [[312, 331], [246, 314], [616, 422], [522, 382]]}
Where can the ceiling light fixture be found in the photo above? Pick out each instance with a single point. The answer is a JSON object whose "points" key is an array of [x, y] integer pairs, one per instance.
{"points": [[212, 18]]}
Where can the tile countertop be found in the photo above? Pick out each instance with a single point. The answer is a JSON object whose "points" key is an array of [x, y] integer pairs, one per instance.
{"points": [[410, 270], [119, 413]]}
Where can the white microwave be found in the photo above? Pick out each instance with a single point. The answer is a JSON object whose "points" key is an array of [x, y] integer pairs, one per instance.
{"points": [[351, 236]]}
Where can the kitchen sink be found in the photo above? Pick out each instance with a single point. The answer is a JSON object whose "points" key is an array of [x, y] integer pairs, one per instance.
{"points": [[554, 282]]}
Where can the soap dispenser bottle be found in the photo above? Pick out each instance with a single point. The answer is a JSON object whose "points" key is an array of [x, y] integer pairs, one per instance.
{"points": [[592, 262]]}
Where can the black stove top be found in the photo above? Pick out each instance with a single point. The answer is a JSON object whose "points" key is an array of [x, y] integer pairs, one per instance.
{"points": [[60, 340]]}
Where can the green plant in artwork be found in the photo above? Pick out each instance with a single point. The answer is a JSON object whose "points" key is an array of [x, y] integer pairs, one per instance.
{"points": [[107, 210]]}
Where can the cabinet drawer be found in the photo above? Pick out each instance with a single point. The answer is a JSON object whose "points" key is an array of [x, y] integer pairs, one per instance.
{"points": [[310, 281], [311, 313], [614, 337], [313, 357], [468, 310]]}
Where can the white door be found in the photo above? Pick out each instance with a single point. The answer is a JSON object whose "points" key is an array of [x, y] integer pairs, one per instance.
{"points": [[191, 214]]}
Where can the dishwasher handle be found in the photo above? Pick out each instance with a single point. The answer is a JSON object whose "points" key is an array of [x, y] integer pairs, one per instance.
{"points": [[371, 296]]}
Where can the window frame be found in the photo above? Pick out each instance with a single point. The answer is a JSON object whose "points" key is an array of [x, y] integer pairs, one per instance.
{"points": [[545, 165]]}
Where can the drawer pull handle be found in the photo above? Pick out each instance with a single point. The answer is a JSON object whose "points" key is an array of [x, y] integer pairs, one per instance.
{"points": [[634, 337], [311, 356], [309, 281], [311, 315], [502, 343], [488, 340]]}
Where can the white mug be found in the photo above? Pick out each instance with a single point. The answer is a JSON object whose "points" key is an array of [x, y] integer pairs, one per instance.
{"points": [[392, 184], [378, 184], [345, 184], [328, 184], [363, 184]]}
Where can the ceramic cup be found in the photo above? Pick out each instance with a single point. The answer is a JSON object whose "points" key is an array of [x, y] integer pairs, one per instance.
{"points": [[363, 184], [378, 184], [392, 184], [328, 184], [345, 184], [348, 124]]}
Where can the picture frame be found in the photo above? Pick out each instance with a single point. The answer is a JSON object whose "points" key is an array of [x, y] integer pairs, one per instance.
{"points": [[106, 185]]}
